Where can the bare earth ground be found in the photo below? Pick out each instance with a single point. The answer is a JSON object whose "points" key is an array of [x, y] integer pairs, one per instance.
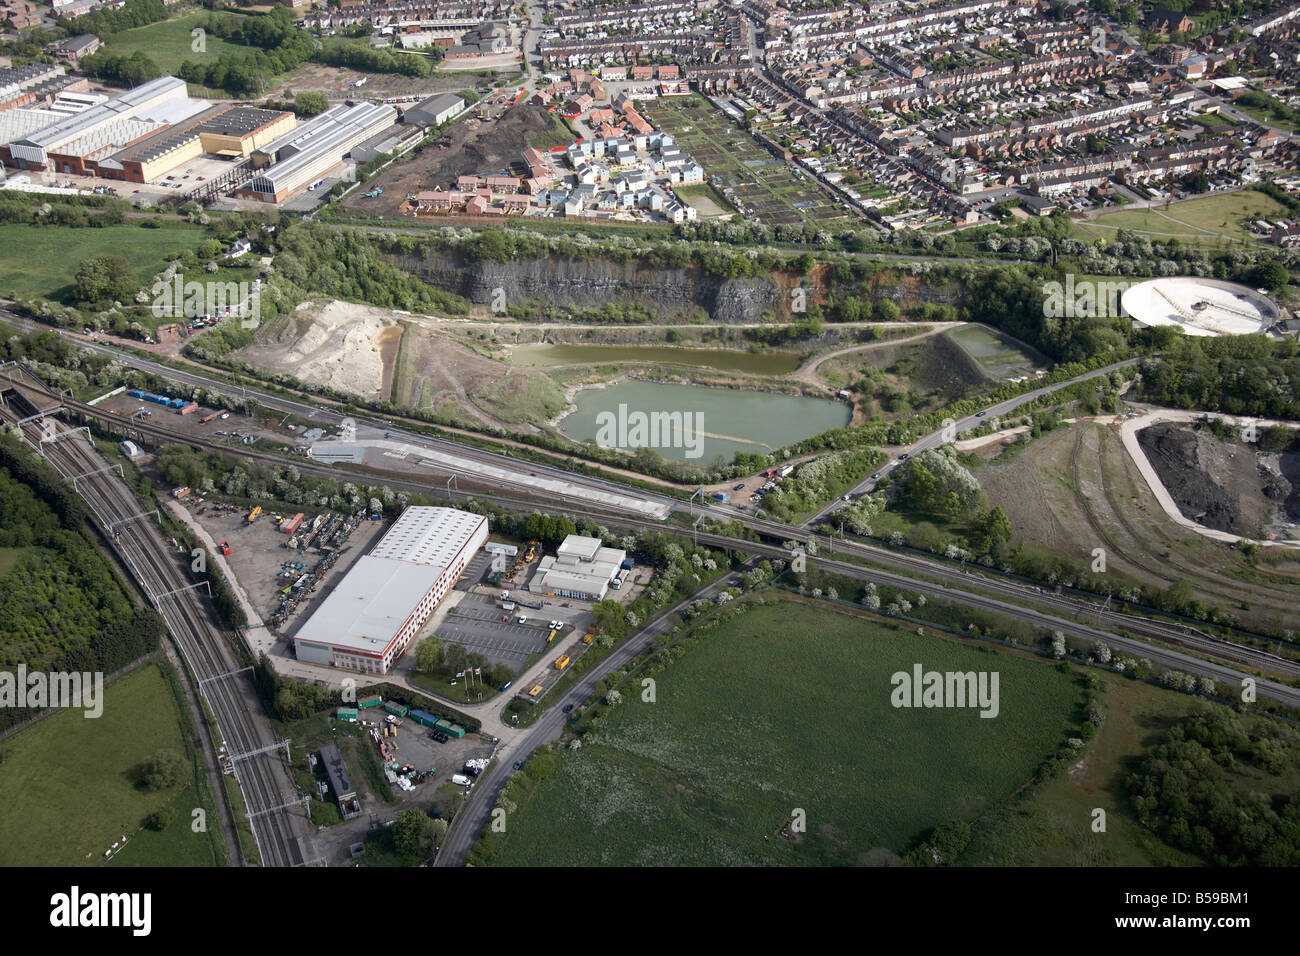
{"points": [[434, 369], [1221, 484], [471, 146], [1076, 489], [336, 81], [340, 344]]}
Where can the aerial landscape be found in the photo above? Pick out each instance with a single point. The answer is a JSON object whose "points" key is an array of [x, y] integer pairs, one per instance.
{"points": [[651, 433]]}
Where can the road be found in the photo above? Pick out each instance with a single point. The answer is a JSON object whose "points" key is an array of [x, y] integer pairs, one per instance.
{"points": [[945, 435], [477, 809], [263, 780]]}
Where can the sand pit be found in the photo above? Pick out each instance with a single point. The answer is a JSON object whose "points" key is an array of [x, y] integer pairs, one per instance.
{"points": [[341, 344]]}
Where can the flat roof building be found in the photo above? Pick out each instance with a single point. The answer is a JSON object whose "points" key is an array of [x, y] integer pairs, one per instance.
{"points": [[369, 619], [340, 781], [307, 153], [435, 110], [581, 568]]}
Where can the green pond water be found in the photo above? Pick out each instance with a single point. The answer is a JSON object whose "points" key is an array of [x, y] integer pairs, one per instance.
{"points": [[697, 424], [725, 360]]}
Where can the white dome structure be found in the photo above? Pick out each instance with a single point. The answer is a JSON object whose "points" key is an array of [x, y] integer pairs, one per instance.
{"points": [[1200, 306]]}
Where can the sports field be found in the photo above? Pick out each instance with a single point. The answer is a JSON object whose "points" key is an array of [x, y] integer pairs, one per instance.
{"points": [[767, 188], [69, 784], [787, 708], [1209, 220], [171, 42]]}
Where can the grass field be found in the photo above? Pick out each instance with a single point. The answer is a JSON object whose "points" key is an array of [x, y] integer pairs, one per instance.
{"points": [[1053, 826], [1209, 220], [788, 707], [42, 261], [170, 43], [68, 784], [9, 557], [769, 187], [1075, 489]]}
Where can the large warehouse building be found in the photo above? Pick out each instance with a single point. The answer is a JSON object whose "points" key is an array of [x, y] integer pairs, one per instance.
{"points": [[74, 143], [137, 136], [368, 620], [305, 155]]}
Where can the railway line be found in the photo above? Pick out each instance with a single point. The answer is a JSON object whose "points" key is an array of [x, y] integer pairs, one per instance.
{"points": [[959, 583], [267, 788]]}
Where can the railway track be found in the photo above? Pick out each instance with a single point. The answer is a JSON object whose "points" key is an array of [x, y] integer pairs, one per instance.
{"points": [[264, 782], [1014, 595]]}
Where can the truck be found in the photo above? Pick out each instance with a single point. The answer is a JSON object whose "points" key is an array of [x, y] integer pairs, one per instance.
{"points": [[181, 492], [550, 637], [562, 662], [253, 515], [507, 605], [207, 418], [785, 471], [224, 548]]}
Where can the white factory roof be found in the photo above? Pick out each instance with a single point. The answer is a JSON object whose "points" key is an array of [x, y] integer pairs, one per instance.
{"points": [[557, 580], [381, 591], [17, 123], [370, 605], [427, 536], [579, 546], [127, 104]]}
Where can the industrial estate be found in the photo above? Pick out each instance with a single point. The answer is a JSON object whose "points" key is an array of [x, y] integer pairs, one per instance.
{"points": [[692, 433]]}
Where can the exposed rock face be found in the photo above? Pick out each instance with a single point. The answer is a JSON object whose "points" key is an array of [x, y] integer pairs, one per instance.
{"points": [[591, 283]]}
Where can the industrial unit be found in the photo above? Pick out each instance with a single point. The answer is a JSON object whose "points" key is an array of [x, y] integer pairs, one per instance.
{"points": [[75, 144], [369, 619], [306, 154], [340, 781], [434, 111], [219, 131], [581, 568], [137, 136]]}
